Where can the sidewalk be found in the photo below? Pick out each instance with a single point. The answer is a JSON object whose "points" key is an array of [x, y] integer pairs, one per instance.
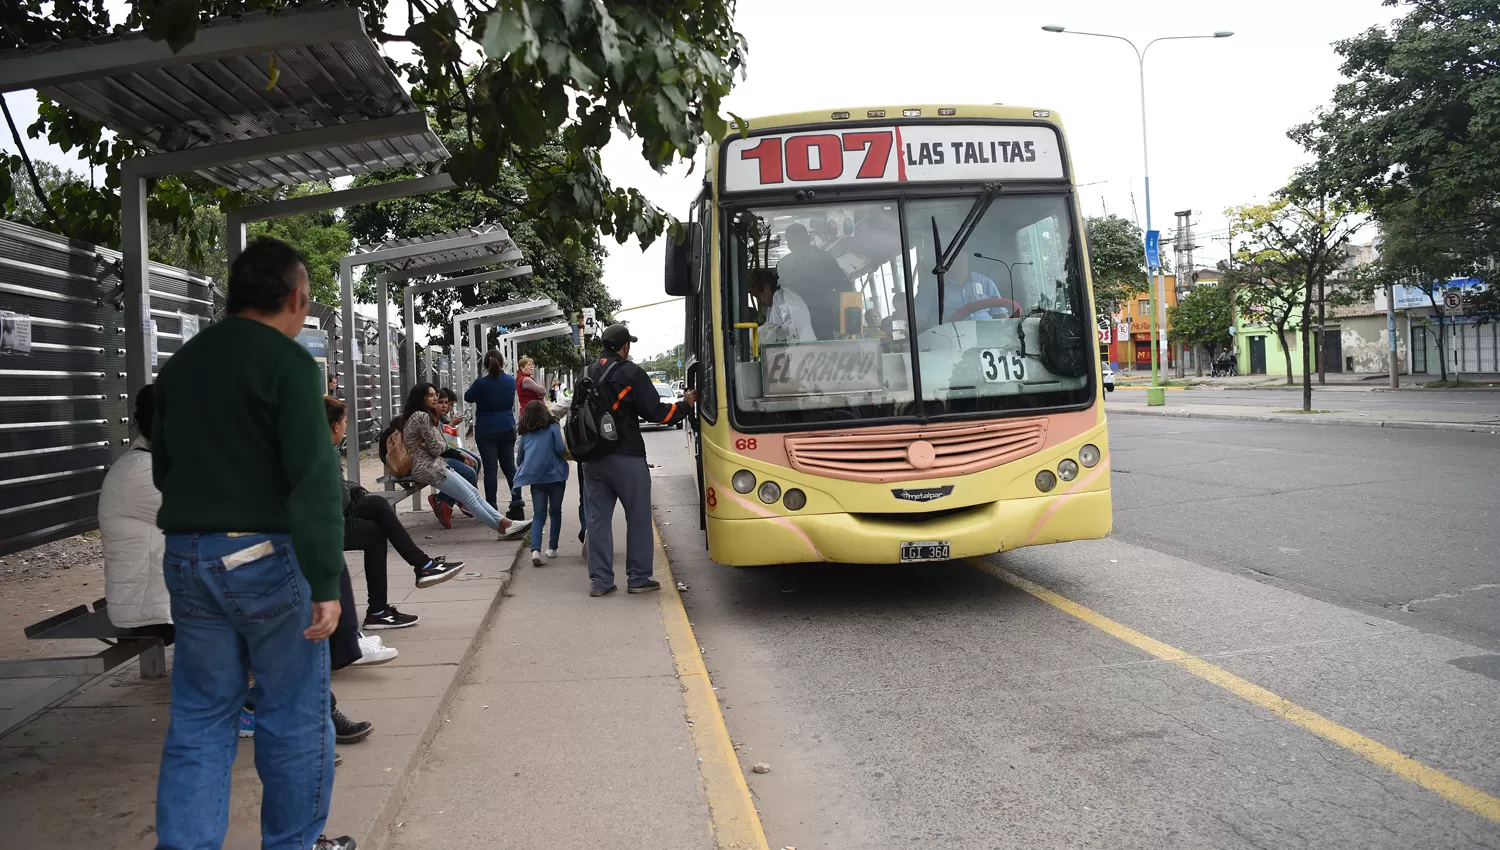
{"points": [[521, 713], [569, 728], [83, 773], [1286, 411], [1335, 381]]}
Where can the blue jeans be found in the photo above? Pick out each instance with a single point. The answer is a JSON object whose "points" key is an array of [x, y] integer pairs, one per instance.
{"points": [[469, 474], [462, 491], [546, 502], [233, 621], [498, 448]]}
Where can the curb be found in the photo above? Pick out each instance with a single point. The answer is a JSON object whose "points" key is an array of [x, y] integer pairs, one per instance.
{"points": [[380, 831], [1309, 420], [733, 820]]}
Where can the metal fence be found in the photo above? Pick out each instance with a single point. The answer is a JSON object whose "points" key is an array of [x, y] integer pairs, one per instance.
{"points": [[64, 411]]}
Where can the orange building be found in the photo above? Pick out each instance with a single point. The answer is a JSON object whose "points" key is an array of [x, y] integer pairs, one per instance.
{"points": [[1134, 351]]}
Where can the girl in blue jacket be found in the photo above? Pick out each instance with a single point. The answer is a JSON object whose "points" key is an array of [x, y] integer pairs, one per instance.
{"points": [[541, 462]]}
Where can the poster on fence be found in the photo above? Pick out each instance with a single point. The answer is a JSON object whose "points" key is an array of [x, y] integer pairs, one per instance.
{"points": [[15, 333], [189, 326]]}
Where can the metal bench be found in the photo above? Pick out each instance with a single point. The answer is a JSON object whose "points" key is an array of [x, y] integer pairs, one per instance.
{"points": [[149, 643], [408, 485]]}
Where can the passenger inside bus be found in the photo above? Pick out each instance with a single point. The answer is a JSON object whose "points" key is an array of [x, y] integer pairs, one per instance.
{"points": [[818, 278], [786, 315]]}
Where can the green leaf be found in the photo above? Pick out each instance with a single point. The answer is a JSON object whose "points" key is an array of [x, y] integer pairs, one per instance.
{"points": [[505, 33]]}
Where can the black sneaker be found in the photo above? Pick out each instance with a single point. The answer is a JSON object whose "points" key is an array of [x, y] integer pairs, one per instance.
{"points": [[346, 731], [437, 571], [343, 842], [650, 585], [516, 513], [605, 592], [390, 618]]}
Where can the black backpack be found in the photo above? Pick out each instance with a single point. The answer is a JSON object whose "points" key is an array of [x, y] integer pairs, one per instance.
{"points": [[591, 431]]}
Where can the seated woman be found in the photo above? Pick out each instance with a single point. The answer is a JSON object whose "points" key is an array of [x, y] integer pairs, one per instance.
{"points": [[369, 523], [133, 546], [460, 460], [424, 442]]}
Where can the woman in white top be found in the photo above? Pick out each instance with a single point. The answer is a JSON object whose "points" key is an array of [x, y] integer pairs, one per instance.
{"points": [[134, 587], [787, 316]]}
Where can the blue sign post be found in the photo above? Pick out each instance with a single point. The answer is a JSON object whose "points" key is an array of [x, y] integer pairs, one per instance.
{"points": [[1153, 249]]}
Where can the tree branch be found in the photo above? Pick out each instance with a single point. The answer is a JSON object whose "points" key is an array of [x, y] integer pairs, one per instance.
{"points": [[36, 184]]}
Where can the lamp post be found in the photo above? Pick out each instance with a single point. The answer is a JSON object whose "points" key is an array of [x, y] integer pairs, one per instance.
{"points": [[1155, 396], [1010, 274]]}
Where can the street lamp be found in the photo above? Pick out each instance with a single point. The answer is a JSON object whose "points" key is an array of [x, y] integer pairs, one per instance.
{"points": [[1155, 396]]}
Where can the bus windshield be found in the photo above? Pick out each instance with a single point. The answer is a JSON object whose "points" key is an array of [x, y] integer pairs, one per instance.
{"points": [[830, 306]]}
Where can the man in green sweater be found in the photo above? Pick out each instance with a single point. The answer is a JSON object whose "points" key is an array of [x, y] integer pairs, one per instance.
{"points": [[254, 550]]}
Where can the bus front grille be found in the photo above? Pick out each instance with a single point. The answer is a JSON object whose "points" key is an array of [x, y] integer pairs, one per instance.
{"points": [[905, 453]]}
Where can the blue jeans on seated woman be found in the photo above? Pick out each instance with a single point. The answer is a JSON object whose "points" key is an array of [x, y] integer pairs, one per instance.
{"points": [[233, 621], [469, 474], [464, 493]]}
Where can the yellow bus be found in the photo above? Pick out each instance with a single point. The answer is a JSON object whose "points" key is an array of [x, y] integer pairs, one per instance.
{"points": [[890, 326]]}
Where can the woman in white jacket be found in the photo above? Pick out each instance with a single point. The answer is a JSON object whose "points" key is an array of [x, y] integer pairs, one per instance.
{"points": [[134, 585]]}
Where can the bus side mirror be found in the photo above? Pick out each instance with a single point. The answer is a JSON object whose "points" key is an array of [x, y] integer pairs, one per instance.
{"points": [[682, 261]]}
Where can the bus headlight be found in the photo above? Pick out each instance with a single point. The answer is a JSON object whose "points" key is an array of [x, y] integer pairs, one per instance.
{"points": [[770, 492], [743, 481], [1089, 455], [1045, 480], [795, 500], [1068, 469]]}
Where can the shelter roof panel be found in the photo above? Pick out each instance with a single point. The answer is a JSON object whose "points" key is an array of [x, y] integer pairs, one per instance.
{"points": [[214, 98]]}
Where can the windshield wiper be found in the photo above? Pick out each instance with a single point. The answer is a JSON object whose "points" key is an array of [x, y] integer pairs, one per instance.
{"points": [[965, 230]]}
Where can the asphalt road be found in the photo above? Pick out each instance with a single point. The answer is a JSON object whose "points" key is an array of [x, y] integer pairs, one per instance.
{"points": [[943, 706], [1342, 398]]}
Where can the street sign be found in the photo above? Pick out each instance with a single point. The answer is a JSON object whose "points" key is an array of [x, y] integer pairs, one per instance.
{"points": [[1452, 300], [590, 322], [1153, 249]]}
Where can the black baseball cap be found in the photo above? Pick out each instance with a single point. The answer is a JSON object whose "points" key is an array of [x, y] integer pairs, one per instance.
{"points": [[616, 335]]}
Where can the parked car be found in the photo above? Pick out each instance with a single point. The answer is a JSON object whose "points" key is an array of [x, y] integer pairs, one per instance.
{"points": [[1108, 376], [669, 395]]}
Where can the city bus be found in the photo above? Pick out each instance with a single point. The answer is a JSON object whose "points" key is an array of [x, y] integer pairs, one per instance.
{"points": [[889, 322]]}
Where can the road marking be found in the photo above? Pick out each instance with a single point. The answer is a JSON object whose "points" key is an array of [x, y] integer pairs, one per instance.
{"points": [[1404, 766], [732, 816]]}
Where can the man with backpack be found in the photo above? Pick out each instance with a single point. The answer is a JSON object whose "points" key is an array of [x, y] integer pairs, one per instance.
{"points": [[604, 433]]}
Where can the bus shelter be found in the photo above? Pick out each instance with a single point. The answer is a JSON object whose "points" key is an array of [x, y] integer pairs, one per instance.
{"points": [[510, 342], [492, 315], [254, 102], [333, 108], [455, 251], [513, 268]]}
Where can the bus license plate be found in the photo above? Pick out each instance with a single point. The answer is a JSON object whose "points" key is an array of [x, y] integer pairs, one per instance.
{"points": [[924, 550]]}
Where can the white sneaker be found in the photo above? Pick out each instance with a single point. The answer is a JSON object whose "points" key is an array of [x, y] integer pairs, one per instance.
{"points": [[552, 553], [375, 639], [536, 558], [372, 651]]}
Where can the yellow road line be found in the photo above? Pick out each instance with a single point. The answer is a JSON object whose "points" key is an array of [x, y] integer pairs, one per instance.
{"points": [[732, 816], [1404, 766]]}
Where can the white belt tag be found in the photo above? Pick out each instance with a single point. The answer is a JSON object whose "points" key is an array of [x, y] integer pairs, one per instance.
{"points": [[235, 560]]}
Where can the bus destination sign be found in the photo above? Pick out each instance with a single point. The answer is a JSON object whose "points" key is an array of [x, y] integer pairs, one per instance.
{"points": [[821, 368], [907, 153]]}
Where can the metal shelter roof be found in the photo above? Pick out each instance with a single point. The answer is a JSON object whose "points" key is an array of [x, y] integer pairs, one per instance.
{"points": [[327, 72], [479, 252]]}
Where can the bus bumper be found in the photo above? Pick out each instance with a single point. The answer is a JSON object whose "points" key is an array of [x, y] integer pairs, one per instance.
{"points": [[865, 539]]}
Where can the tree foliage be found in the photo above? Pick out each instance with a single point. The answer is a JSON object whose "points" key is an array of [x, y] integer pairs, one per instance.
{"points": [[1418, 121], [1414, 133], [1203, 318], [1299, 238], [1117, 258], [534, 87]]}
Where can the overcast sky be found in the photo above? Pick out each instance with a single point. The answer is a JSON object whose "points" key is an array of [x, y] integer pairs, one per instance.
{"points": [[1218, 109]]}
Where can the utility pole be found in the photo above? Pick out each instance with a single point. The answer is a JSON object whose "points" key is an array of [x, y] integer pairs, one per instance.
{"points": [[1192, 280], [1393, 362], [1183, 252]]}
